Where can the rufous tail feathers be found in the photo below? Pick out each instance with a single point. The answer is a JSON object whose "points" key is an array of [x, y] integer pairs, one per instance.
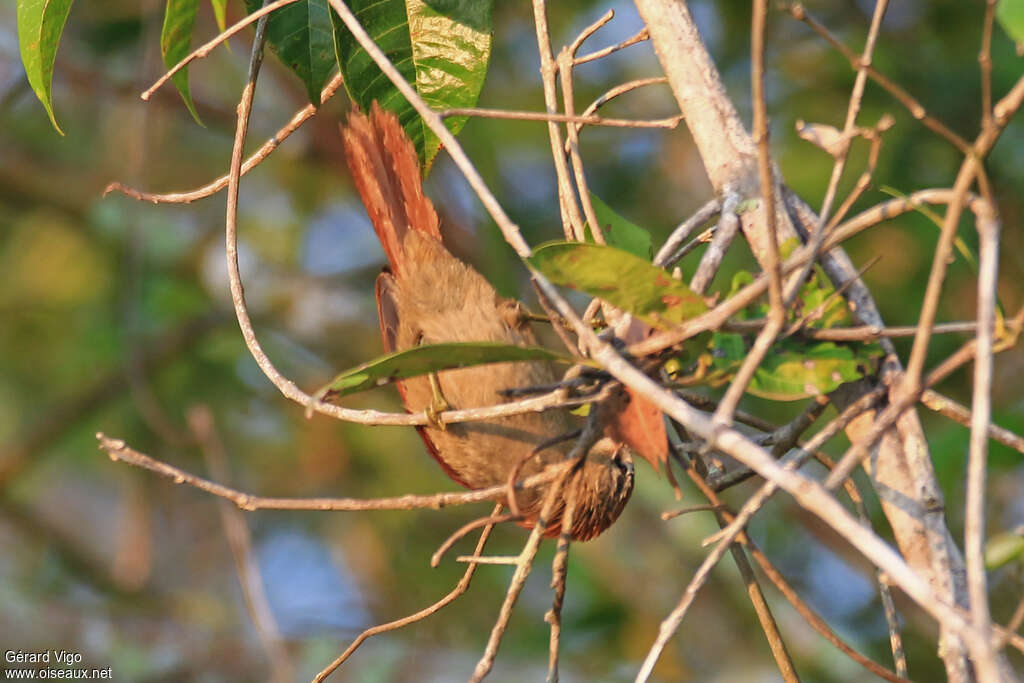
{"points": [[386, 172]]}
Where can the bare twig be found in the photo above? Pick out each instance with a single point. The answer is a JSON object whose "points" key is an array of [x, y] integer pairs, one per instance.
{"points": [[208, 47], [985, 63], [724, 232], [582, 119], [572, 220], [559, 568], [491, 520], [564, 61], [944, 405], [459, 589], [638, 37], [590, 30], [981, 414], [265, 150], [622, 89], [672, 514], [841, 155], [525, 562], [915, 108], [717, 316], [498, 560], [119, 451], [805, 611], [770, 256], [668, 255], [728, 534], [781, 439]]}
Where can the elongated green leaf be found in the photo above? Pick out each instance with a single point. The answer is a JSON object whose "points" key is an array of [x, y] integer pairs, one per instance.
{"points": [[300, 35], [1011, 17], [620, 232], [626, 281], [220, 8], [430, 358], [40, 24], [442, 47], [175, 43]]}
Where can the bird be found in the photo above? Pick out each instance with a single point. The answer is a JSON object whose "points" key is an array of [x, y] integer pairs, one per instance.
{"points": [[426, 295]]}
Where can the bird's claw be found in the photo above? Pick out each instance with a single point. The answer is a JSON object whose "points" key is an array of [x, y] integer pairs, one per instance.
{"points": [[438, 404]]}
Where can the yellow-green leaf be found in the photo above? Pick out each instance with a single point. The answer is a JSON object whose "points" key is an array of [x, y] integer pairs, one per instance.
{"points": [[628, 282]]}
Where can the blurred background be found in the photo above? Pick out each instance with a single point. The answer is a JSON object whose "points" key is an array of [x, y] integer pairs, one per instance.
{"points": [[116, 318]]}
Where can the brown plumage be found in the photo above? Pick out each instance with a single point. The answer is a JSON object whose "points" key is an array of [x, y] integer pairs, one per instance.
{"points": [[430, 296]]}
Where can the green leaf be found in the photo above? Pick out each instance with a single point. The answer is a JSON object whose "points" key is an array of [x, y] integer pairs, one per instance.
{"points": [[442, 47], [430, 358], [40, 24], [219, 8], [791, 370], [619, 232], [626, 281], [1010, 14], [300, 35], [176, 43], [789, 374], [1003, 548]]}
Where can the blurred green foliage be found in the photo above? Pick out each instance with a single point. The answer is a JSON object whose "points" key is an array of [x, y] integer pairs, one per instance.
{"points": [[115, 318]]}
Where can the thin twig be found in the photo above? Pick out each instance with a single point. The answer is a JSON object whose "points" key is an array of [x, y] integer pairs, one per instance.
{"points": [[573, 141], [773, 574], [590, 30], [781, 439], [208, 47], [841, 155], [559, 568], [119, 451], [572, 220], [765, 175], [622, 89], [727, 535], [638, 37], [672, 514], [667, 255], [981, 414], [459, 589], [461, 532], [985, 63], [717, 316], [915, 108], [498, 560], [582, 119], [525, 562], [723, 233], [556, 322], [959, 413], [265, 150]]}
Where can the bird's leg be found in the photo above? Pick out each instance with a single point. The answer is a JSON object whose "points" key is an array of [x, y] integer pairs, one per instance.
{"points": [[438, 403]]}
